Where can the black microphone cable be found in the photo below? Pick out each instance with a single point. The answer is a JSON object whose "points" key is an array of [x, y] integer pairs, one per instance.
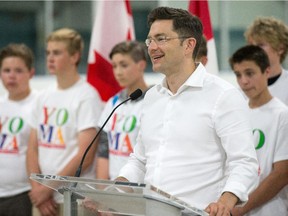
{"points": [[133, 96]]}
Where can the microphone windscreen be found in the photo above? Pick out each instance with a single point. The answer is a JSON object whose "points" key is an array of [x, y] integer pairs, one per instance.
{"points": [[136, 94]]}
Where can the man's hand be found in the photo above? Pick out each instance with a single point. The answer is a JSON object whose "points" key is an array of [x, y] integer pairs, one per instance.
{"points": [[95, 207], [218, 209], [223, 206], [121, 179]]}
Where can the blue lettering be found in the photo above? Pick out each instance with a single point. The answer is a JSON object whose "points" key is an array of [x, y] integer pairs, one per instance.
{"points": [[47, 134]]}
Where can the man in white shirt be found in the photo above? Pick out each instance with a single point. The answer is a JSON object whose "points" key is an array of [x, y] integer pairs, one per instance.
{"points": [[195, 140]]}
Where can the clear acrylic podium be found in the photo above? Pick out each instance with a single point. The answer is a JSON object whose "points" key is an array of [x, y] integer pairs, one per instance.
{"points": [[85, 197]]}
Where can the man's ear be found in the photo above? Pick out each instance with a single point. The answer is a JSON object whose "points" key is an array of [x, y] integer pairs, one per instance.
{"points": [[190, 45]]}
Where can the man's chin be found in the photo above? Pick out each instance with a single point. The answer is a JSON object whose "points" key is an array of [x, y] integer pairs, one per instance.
{"points": [[52, 72], [156, 68]]}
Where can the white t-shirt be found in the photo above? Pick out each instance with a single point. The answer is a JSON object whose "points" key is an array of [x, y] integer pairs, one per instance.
{"points": [[270, 127], [59, 116], [279, 88], [186, 139], [14, 136], [121, 129]]}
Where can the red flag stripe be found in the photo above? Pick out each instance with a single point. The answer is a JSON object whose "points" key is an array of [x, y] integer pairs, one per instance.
{"points": [[128, 7], [113, 24], [201, 9], [101, 78]]}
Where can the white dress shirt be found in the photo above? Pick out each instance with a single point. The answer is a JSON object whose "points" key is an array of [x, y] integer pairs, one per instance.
{"points": [[189, 142]]}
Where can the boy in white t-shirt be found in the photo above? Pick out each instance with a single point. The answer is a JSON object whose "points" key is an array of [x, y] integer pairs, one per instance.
{"points": [[16, 70], [64, 121], [129, 60], [269, 118]]}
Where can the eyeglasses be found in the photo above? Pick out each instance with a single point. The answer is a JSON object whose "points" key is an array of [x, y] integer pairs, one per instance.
{"points": [[160, 40]]}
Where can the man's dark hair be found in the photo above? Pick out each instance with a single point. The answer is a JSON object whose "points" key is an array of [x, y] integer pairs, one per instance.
{"points": [[184, 23], [251, 53]]}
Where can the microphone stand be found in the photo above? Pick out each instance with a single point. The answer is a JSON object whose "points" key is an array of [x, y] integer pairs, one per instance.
{"points": [[133, 96], [78, 172]]}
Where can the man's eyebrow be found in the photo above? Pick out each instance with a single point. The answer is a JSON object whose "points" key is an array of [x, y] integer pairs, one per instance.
{"points": [[157, 35]]}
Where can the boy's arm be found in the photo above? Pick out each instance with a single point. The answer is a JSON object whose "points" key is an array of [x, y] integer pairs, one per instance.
{"points": [[267, 189], [84, 139]]}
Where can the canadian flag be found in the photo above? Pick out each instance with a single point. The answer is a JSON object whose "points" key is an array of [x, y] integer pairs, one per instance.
{"points": [[113, 24], [201, 9]]}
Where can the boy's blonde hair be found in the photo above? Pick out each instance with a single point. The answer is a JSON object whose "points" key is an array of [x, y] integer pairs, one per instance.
{"points": [[271, 30], [71, 37]]}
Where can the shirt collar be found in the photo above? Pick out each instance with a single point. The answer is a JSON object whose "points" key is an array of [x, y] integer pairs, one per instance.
{"points": [[196, 79]]}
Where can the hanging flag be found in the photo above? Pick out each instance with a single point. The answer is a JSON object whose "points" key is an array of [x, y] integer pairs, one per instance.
{"points": [[113, 24], [201, 9]]}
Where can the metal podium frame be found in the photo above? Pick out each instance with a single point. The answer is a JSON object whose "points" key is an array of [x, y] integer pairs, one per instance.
{"points": [[87, 197]]}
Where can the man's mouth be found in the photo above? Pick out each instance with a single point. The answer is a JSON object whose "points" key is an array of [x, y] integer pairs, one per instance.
{"points": [[156, 57]]}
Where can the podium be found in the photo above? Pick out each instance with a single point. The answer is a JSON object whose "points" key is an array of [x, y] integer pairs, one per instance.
{"points": [[87, 197]]}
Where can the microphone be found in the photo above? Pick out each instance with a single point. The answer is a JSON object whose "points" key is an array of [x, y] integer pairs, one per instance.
{"points": [[133, 96]]}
